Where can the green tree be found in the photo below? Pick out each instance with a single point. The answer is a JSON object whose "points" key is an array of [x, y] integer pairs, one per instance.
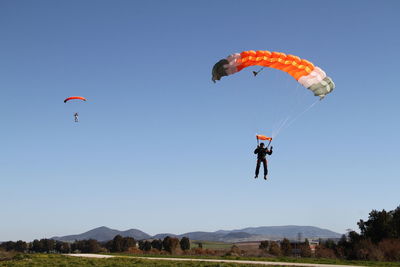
{"points": [[117, 244], [286, 247], [141, 244], [378, 226], [170, 244], [305, 250], [21, 246], [274, 249], [264, 245], [343, 247], [395, 223], [166, 243], [47, 245], [128, 242], [7, 246], [330, 244], [147, 245], [36, 246], [174, 244], [184, 243], [92, 246], [156, 244], [63, 247]]}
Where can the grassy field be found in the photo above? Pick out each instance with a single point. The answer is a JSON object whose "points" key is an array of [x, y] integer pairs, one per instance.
{"points": [[49, 260], [275, 259], [54, 260], [210, 244]]}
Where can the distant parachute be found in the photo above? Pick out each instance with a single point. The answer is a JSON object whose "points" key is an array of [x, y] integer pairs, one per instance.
{"points": [[308, 75], [74, 97]]}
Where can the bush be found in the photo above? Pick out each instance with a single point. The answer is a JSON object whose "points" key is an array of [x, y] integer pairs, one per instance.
{"points": [[20, 256], [234, 251], [305, 250], [274, 249], [390, 249], [134, 250], [366, 250], [6, 255], [323, 252]]}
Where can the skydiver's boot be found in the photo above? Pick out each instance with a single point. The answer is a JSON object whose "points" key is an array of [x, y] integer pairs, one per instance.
{"points": [[265, 177], [255, 177]]}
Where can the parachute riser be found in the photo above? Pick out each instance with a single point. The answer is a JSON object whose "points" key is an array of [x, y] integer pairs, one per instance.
{"points": [[269, 143]]}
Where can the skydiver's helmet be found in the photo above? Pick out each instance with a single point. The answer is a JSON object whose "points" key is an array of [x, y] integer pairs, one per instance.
{"points": [[261, 144]]}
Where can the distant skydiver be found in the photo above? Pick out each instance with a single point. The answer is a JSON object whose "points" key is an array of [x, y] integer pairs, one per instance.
{"points": [[76, 115], [262, 152]]}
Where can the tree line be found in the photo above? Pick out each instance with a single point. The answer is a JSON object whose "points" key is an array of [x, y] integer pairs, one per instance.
{"points": [[379, 239], [286, 248], [117, 244]]}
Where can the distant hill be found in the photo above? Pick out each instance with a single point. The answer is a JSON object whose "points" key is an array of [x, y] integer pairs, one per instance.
{"points": [[103, 234], [162, 236], [247, 234], [264, 233], [290, 232]]}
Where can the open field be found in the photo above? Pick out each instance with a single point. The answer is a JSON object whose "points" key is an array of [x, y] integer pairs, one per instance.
{"points": [[49, 260], [271, 259], [56, 260], [211, 245]]}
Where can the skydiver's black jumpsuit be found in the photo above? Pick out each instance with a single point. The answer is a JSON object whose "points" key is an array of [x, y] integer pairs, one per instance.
{"points": [[261, 157]]}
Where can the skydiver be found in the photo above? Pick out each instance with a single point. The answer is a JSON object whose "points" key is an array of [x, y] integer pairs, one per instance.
{"points": [[76, 117], [261, 157]]}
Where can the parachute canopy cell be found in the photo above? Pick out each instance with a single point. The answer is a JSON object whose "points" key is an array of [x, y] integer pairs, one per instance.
{"points": [[263, 137], [308, 75], [74, 97]]}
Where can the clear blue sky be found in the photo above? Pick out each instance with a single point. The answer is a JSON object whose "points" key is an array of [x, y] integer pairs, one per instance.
{"points": [[160, 147]]}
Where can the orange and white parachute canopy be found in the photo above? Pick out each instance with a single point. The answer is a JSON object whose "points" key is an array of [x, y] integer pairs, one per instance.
{"points": [[74, 97], [308, 75]]}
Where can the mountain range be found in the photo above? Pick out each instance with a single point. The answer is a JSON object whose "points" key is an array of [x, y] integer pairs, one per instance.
{"points": [[292, 232]]}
